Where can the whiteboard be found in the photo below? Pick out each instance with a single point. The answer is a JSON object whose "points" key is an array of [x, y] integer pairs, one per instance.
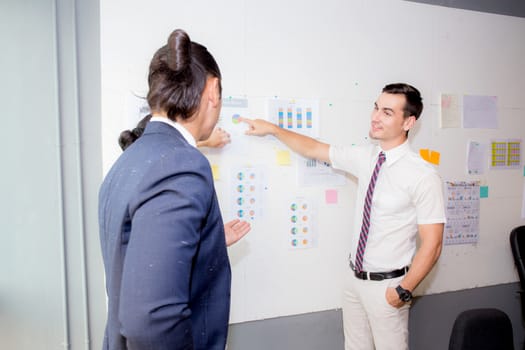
{"points": [[340, 54]]}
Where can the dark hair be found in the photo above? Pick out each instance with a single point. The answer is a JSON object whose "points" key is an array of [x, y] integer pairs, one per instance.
{"points": [[414, 102], [127, 137], [177, 76]]}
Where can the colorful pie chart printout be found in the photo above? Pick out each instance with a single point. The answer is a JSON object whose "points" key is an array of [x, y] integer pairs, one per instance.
{"points": [[301, 232], [246, 193]]}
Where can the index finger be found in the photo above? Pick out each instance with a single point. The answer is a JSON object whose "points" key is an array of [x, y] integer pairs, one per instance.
{"points": [[246, 120]]}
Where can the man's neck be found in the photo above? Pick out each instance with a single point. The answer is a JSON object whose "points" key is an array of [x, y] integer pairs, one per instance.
{"points": [[388, 145]]}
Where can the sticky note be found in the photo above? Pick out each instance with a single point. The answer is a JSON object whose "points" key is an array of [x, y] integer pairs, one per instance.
{"points": [[331, 196], [215, 171], [424, 153], [430, 156], [434, 157], [483, 191], [283, 157]]}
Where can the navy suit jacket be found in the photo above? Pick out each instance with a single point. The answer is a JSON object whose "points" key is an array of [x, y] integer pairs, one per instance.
{"points": [[162, 236]]}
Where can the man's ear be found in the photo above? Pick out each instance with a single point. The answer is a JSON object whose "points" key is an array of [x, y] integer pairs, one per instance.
{"points": [[409, 122]]}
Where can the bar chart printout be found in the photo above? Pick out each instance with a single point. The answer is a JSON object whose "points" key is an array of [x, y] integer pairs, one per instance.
{"points": [[299, 115]]}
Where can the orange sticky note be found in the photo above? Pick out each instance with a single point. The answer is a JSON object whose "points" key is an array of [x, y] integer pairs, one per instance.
{"points": [[425, 154], [434, 157]]}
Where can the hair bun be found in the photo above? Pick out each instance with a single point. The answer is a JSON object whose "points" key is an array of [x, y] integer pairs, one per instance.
{"points": [[179, 50], [126, 138]]}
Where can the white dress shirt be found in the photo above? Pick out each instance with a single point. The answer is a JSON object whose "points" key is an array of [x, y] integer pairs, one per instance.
{"points": [[185, 133], [408, 193]]}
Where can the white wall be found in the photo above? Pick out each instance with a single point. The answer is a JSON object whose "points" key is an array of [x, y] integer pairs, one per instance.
{"points": [[341, 53]]}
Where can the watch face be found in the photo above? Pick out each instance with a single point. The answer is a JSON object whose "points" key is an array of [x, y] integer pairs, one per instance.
{"points": [[404, 295]]}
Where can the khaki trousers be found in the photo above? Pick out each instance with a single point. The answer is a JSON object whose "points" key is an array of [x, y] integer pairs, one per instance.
{"points": [[369, 321]]}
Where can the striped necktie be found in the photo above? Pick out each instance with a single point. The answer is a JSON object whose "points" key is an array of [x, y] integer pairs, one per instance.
{"points": [[363, 236]]}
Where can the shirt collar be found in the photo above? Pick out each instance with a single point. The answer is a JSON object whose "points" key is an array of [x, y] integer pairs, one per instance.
{"points": [[392, 155], [185, 133]]}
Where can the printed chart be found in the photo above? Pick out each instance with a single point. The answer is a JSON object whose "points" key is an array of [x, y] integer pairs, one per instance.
{"points": [[299, 115], [462, 212], [505, 154], [246, 193], [301, 233], [311, 172], [229, 120]]}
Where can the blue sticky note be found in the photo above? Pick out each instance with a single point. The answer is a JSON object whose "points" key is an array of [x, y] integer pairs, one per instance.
{"points": [[483, 191]]}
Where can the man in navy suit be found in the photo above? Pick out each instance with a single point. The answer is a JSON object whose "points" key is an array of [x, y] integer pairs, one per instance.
{"points": [[161, 230]]}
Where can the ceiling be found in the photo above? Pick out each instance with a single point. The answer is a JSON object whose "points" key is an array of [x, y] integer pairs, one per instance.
{"points": [[514, 8]]}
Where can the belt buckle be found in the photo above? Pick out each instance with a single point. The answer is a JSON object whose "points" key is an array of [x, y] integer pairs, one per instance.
{"points": [[363, 275]]}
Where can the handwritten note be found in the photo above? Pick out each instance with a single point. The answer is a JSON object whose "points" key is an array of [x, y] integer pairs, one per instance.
{"points": [[450, 111]]}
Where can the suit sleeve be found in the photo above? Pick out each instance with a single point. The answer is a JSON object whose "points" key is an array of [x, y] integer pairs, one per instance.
{"points": [[165, 235]]}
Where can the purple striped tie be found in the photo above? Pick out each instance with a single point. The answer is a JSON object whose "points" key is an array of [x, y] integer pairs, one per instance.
{"points": [[366, 214]]}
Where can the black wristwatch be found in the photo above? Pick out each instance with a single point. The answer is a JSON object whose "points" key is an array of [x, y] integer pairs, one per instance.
{"points": [[404, 294]]}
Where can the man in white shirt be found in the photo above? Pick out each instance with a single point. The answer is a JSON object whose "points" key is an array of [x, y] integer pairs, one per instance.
{"points": [[397, 198]]}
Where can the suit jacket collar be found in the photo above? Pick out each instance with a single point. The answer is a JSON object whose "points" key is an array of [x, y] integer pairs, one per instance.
{"points": [[155, 127], [184, 132]]}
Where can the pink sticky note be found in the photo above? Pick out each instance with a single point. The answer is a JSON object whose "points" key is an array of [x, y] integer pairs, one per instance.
{"points": [[331, 196]]}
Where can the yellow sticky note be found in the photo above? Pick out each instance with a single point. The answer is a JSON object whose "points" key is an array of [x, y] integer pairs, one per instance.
{"points": [[434, 157], [425, 154], [215, 171], [283, 157]]}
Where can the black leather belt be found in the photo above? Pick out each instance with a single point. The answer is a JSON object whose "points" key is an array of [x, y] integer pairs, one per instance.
{"points": [[379, 276]]}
